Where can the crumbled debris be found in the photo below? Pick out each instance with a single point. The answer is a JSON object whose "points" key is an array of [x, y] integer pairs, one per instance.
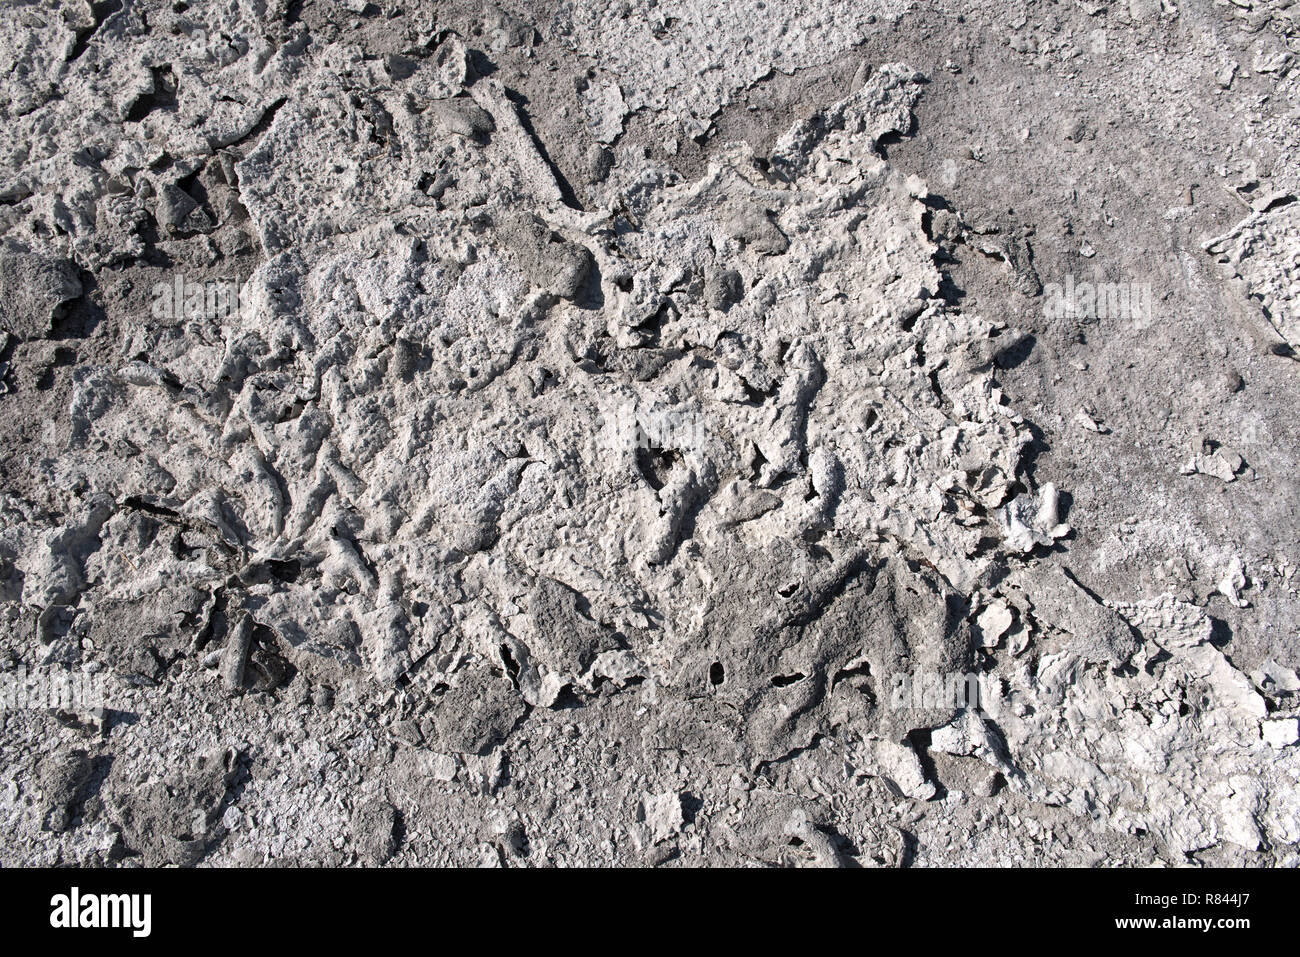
{"points": [[1210, 458], [629, 442]]}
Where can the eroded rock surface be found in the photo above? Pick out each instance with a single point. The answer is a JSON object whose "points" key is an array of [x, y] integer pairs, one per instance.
{"points": [[495, 489]]}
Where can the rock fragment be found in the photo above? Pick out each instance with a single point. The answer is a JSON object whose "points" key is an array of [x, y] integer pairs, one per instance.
{"points": [[548, 260], [64, 777], [464, 117], [994, 622], [722, 288], [602, 102], [375, 827], [1280, 732], [662, 815], [34, 290], [473, 719], [1032, 520], [1210, 458]]}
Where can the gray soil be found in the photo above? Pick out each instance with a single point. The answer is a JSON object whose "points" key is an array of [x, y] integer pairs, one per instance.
{"points": [[640, 425]]}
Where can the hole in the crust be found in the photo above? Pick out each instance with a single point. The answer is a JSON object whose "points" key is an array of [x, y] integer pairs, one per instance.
{"points": [[161, 97], [656, 464], [717, 674], [784, 681], [512, 666]]}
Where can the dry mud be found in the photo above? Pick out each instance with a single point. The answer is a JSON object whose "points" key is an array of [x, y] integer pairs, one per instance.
{"points": [[650, 433]]}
